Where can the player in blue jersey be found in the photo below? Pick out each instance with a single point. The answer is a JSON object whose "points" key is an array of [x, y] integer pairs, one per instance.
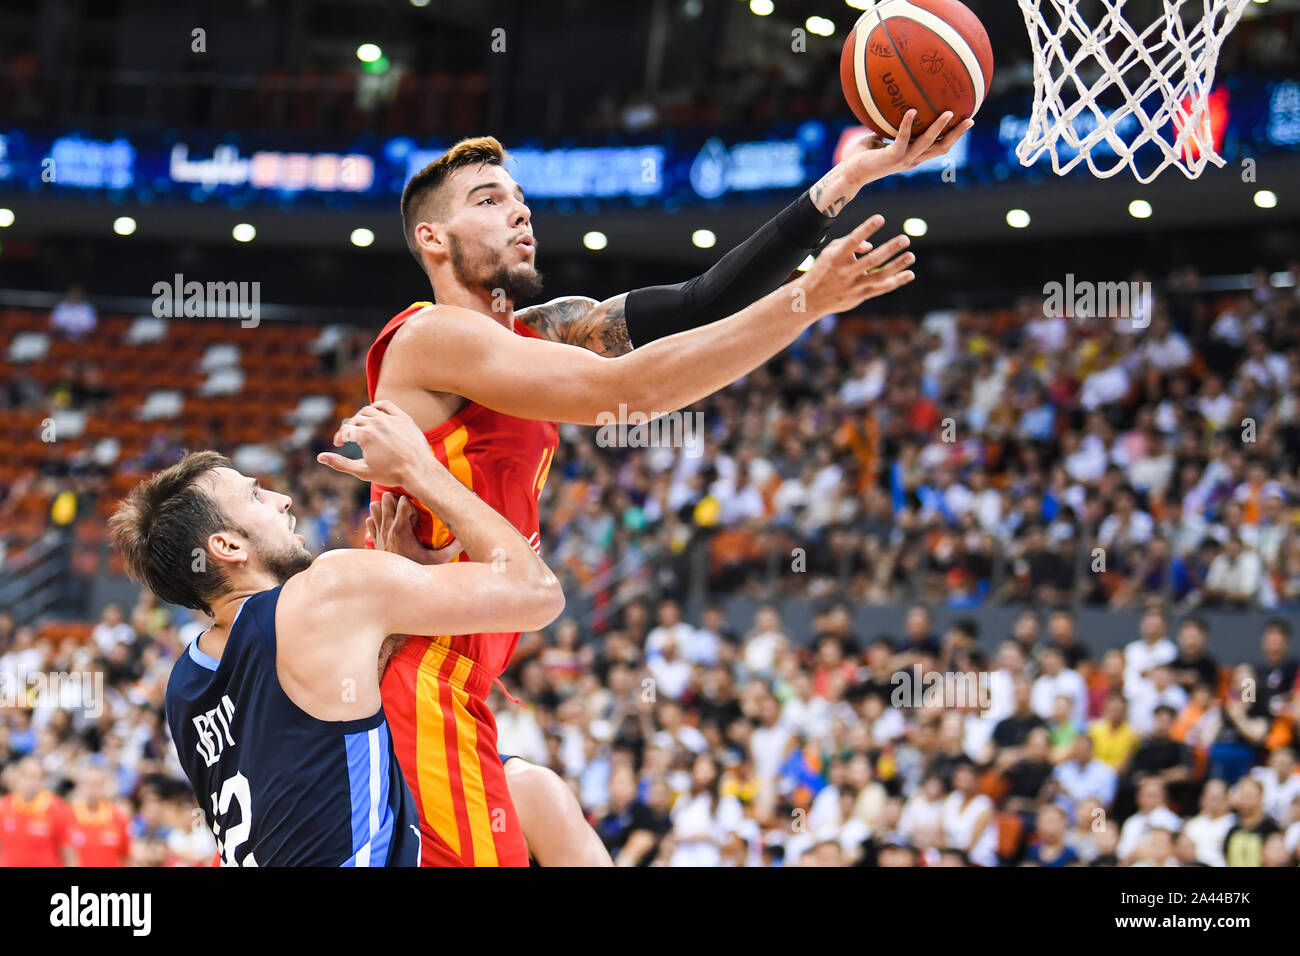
{"points": [[275, 710]]}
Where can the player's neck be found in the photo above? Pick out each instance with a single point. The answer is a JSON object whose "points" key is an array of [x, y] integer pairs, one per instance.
{"points": [[224, 611], [492, 305]]}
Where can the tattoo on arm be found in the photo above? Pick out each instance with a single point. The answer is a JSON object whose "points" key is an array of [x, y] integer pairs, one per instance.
{"points": [[578, 320], [820, 194]]}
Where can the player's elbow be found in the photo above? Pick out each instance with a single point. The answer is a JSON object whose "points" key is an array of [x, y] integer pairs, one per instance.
{"points": [[545, 600]]}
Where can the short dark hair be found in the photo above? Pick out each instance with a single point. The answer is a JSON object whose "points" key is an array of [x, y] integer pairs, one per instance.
{"points": [[163, 522], [1281, 625], [419, 198]]}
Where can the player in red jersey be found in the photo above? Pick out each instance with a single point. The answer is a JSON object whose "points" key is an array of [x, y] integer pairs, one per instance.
{"points": [[32, 820], [488, 389], [96, 831]]}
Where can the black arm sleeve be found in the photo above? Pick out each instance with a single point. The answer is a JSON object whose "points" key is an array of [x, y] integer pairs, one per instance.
{"points": [[744, 275]]}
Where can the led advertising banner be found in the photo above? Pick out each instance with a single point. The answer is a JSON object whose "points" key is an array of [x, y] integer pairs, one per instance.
{"points": [[1252, 117]]}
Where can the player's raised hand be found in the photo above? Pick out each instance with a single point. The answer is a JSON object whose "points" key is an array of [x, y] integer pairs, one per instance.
{"points": [[391, 527], [850, 270], [392, 446], [873, 157]]}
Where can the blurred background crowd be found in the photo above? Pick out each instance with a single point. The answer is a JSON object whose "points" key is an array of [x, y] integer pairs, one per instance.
{"points": [[972, 459], [1091, 522], [962, 458], [691, 745]]}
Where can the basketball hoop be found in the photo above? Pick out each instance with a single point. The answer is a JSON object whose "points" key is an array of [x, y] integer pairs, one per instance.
{"points": [[1108, 88]]}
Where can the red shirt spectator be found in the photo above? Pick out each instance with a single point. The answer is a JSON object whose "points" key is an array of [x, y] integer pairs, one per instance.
{"points": [[98, 836], [31, 831]]}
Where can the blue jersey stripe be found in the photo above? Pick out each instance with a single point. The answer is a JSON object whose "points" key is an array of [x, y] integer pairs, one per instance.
{"points": [[383, 832], [360, 768], [229, 717]]}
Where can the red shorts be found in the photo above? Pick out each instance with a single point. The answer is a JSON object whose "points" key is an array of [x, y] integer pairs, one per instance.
{"points": [[446, 741]]}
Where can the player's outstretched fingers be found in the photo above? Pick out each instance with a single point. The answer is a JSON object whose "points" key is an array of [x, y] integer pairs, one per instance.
{"points": [[950, 138], [857, 238], [893, 266], [927, 139], [883, 253], [372, 532], [877, 286], [904, 137]]}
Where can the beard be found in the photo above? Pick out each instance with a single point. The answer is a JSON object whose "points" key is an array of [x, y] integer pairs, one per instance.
{"points": [[283, 563], [492, 274]]}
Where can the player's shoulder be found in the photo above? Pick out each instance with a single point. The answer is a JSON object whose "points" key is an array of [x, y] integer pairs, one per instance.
{"points": [[340, 575], [332, 574], [438, 317]]}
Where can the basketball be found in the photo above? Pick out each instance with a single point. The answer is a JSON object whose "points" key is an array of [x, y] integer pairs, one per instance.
{"points": [[928, 55]]}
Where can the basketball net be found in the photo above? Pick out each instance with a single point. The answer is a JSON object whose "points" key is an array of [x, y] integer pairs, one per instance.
{"points": [[1155, 85]]}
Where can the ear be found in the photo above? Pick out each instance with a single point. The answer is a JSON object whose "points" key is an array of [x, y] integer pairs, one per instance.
{"points": [[431, 238], [227, 548]]}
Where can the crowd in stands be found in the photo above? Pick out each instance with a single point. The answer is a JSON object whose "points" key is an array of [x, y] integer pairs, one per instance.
{"points": [[959, 458], [691, 745]]}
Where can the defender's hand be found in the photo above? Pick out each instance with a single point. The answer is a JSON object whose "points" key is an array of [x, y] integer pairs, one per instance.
{"points": [[391, 527]]}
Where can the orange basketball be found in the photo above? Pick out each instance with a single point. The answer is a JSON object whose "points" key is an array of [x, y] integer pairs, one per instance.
{"points": [[928, 55]]}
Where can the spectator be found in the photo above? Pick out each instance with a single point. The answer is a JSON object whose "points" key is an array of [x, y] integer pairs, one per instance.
{"points": [[73, 316], [702, 819], [1056, 680], [1280, 783], [1152, 648], [1152, 814], [96, 831], [1148, 696], [1083, 777], [1193, 664], [1278, 672], [33, 819], [111, 629], [1237, 728], [1113, 739], [968, 818], [1244, 845]]}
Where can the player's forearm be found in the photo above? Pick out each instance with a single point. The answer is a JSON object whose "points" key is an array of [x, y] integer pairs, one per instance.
{"points": [[673, 372], [745, 274], [484, 534], [832, 192]]}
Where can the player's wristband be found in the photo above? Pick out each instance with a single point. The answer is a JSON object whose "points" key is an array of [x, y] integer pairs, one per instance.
{"points": [[743, 276]]}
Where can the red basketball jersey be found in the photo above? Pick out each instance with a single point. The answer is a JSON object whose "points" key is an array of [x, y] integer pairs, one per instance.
{"points": [[32, 833], [502, 459]]}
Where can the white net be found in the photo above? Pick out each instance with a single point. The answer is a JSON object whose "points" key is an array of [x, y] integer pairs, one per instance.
{"points": [[1107, 89]]}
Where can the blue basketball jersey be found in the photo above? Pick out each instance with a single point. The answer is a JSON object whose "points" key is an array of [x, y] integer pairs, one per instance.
{"points": [[279, 787]]}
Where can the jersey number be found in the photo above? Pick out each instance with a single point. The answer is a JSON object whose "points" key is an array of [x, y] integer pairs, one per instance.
{"points": [[235, 789], [543, 469]]}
